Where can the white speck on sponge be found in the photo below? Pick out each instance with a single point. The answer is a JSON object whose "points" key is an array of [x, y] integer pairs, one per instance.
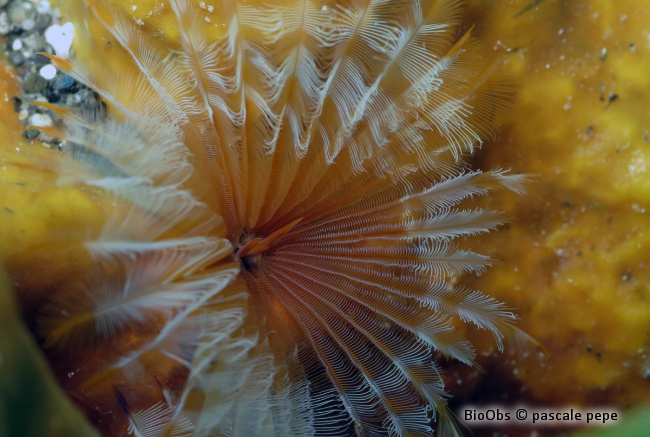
{"points": [[60, 37], [39, 120], [48, 71], [43, 7], [17, 45]]}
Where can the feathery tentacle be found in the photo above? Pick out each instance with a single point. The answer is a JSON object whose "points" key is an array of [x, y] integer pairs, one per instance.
{"points": [[283, 193]]}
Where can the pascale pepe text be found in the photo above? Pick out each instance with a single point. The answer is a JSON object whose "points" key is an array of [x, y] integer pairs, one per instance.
{"points": [[523, 415]]}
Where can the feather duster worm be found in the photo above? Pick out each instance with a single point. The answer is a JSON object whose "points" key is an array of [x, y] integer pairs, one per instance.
{"points": [[279, 184]]}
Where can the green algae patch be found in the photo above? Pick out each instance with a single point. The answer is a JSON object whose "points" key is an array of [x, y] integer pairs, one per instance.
{"points": [[31, 402]]}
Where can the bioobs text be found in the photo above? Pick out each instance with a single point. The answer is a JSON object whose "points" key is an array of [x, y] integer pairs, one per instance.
{"points": [[490, 415]]}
